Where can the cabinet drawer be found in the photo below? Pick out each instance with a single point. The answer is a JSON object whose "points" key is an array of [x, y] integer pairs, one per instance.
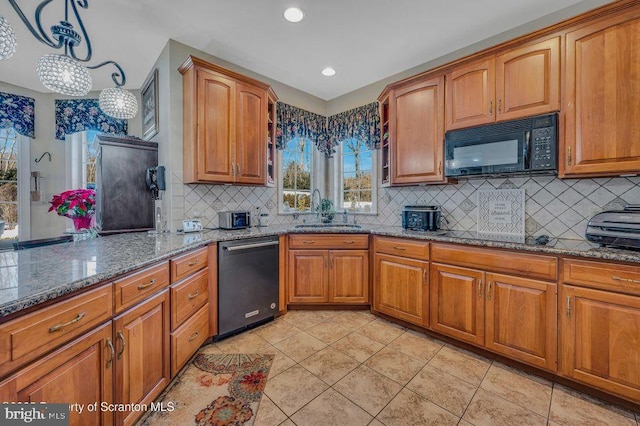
{"points": [[494, 260], [328, 241], [28, 337], [138, 286], [186, 340], [402, 247], [601, 275], [188, 263], [188, 296]]}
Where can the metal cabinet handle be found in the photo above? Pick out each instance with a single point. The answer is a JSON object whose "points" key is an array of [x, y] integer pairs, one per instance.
{"points": [[440, 167], [73, 321], [348, 242], [195, 262], [491, 107], [489, 290], [124, 344], [569, 155], [149, 284], [424, 276], [399, 248], [480, 288], [239, 168], [308, 242], [233, 169], [194, 335], [627, 280], [499, 106], [113, 352], [568, 306], [194, 295]]}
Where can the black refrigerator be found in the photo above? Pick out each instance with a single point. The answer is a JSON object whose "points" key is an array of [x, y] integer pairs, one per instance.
{"points": [[123, 200]]}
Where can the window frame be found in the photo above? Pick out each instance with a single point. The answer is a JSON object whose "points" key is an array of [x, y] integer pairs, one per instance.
{"points": [[338, 187]]}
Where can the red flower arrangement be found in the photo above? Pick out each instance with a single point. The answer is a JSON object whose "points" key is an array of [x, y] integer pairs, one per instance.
{"points": [[77, 204]]}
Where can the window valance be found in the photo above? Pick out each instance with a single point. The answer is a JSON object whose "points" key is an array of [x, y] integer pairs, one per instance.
{"points": [[294, 122], [362, 123], [76, 115], [17, 112], [326, 133]]}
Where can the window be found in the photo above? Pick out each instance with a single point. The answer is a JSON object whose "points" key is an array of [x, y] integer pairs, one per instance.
{"points": [[89, 159], [297, 167], [356, 179], [8, 184], [82, 153]]}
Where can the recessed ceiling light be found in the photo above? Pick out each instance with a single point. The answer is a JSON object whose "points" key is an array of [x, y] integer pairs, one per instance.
{"points": [[293, 14], [328, 71]]}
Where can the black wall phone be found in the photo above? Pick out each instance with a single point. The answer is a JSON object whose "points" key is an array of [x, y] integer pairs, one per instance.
{"points": [[155, 181]]}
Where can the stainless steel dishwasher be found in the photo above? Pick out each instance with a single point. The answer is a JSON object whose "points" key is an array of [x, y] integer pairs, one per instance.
{"points": [[247, 282]]}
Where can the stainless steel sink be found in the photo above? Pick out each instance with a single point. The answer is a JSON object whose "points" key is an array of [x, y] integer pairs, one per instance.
{"points": [[328, 225]]}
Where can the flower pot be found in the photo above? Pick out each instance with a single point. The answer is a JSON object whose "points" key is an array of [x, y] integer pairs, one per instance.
{"points": [[82, 222]]}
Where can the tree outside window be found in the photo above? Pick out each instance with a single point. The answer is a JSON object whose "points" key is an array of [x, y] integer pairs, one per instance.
{"points": [[357, 176], [296, 175], [9, 183]]}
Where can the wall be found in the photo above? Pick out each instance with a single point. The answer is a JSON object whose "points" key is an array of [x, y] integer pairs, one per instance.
{"points": [[554, 207], [43, 223]]}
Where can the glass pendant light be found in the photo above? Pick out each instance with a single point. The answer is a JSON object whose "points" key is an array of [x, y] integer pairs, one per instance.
{"points": [[118, 103], [8, 43], [62, 74]]}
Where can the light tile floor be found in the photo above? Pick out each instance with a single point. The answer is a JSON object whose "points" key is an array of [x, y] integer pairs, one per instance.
{"points": [[352, 368]]}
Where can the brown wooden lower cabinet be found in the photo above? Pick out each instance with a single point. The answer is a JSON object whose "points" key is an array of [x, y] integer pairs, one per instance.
{"points": [[521, 319], [457, 302], [328, 276], [510, 315], [141, 337], [400, 288], [600, 339], [79, 372]]}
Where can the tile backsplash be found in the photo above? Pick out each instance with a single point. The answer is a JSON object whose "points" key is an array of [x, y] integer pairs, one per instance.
{"points": [[556, 207]]}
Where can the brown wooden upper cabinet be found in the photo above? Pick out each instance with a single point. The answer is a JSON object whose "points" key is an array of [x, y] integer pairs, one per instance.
{"points": [[416, 132], [601, 101], [226, 125], [517, 83]]}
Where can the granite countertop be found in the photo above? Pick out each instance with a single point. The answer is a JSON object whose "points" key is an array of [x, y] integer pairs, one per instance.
{"points": [[30, 277]]}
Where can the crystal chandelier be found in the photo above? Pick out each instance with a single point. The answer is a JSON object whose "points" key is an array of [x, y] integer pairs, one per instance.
{"points": [[66, 73], [8, 42]]}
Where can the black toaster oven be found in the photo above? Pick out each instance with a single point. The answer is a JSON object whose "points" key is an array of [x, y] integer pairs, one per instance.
{"points": [[421, 218]]}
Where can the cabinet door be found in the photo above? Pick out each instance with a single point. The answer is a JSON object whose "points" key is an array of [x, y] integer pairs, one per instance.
{"points": [[308, 278], [216, 110], [457, 302], [470, 95], [521, 319], [417, 129], [251, 135], [142, 361], [600, 340], [80, 372], [601, 102], [400, 288], [528, 80], [349, 276]]}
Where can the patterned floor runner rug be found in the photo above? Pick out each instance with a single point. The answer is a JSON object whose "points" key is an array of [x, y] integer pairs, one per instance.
{"points": [[215, 389]]}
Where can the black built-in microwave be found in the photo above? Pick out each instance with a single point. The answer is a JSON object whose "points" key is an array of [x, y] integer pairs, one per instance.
{"points": [[527, 146]]}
